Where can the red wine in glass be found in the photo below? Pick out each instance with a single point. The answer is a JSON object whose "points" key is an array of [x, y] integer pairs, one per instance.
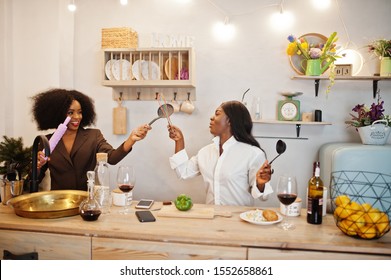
{"points": [[126, 180], [125, 188], [287, 198]]}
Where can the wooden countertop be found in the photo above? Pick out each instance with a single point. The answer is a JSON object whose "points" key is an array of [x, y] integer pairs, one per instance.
{"points": [[222, 231]]}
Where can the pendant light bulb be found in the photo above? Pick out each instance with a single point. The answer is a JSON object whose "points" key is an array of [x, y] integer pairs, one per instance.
{"points": [[321, 4], [282, 21], [72, 6], [124, 2], [224, 31]]}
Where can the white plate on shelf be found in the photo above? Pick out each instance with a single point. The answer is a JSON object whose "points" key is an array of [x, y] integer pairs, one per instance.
{"points": [[116, 70], [108, 72], [137, 69], [255, 217], [155, 71]]}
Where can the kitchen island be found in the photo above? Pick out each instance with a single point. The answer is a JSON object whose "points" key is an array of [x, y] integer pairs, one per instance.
{"points": [[116, 236]]}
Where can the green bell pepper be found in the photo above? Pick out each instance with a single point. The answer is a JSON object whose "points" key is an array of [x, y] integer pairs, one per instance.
{"points": [[183, 202]]}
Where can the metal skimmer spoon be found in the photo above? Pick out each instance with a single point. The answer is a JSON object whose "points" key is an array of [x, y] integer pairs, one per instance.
{"points": [[164, 111]]}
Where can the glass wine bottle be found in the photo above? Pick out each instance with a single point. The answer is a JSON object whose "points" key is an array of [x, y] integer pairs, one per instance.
{"points": [[315, 197]]}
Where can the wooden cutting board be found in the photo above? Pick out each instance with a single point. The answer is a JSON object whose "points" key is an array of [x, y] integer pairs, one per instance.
{"points": [[119, 119], [195, 212]]}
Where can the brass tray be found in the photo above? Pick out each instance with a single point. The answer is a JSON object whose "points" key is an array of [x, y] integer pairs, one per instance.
{"points": [[49, 204]]}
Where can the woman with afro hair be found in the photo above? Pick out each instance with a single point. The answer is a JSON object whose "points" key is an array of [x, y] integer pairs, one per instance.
{"points": [[75, 153]]}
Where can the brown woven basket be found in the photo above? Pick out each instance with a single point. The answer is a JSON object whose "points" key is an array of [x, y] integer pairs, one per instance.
{"points": [[121, 37]]}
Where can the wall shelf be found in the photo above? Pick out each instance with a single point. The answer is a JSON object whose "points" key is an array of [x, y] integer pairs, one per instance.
{"points": [[138, 74], [297, 123], [316, 79]]}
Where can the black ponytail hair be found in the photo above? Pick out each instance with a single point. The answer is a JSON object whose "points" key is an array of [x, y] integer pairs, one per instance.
{"points": [[241, 123]]}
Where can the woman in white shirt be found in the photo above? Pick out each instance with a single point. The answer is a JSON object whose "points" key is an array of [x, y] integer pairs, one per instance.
{"points": [[234, 166]]}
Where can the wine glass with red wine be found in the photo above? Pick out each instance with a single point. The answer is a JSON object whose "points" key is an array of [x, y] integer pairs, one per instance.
{"points": [[125, 180], [287, 194]]}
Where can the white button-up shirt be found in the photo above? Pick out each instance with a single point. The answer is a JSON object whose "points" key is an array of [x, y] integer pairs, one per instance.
{"points": [[230, 179]]}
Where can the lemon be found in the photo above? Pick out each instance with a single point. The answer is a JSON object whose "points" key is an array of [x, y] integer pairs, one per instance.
{"points": [[341, 212], [342, 200], [383, 224], [386, 229], [341, 225], [366, 206], [367, 232], [375, 210], [358, 220], [346, 227], [372, 217], [354, 207]]}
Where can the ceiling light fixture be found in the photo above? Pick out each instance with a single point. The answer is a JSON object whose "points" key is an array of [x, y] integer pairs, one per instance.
{"points": [[72, 6], [123, 2], [282, 19], [321, 4], [183, 1], [224, 31]]}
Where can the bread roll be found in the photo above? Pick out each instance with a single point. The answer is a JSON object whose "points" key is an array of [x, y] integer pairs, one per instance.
{"points": [[270, 215]]}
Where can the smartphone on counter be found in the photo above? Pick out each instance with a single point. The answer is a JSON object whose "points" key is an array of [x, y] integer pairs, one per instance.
{"points": [[144, 204], [145, 216]]}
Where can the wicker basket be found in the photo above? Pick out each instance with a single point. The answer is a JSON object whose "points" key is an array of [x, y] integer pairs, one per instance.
{"points": [[361, 203], [122, 37]]}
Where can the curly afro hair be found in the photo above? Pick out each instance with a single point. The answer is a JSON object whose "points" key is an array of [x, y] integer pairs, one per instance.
{"points": [[50, 108]]}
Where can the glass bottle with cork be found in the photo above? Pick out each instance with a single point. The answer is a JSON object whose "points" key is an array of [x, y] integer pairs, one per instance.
{"points": [[89, 208], [315, 197], [102, 182]]}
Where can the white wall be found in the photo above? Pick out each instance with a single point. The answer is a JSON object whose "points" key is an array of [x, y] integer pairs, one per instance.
{"points": [[46, 46]]}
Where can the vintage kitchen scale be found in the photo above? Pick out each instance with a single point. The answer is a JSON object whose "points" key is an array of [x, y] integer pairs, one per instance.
{"points": [[289, 109]]}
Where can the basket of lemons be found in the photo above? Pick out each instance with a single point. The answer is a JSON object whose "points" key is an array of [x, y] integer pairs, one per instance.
{"points": [[361, 203]]}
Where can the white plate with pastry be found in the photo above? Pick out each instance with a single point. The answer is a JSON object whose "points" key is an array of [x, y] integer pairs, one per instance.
{"points": [[258, 217]]}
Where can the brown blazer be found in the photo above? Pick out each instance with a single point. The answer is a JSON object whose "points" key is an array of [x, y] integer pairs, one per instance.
{"points": [[69, 171]]}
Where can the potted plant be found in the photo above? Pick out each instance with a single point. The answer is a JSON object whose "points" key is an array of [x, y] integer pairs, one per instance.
{"points": [[15, 166], [382, 49], [318, 57], [371, 123]]}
